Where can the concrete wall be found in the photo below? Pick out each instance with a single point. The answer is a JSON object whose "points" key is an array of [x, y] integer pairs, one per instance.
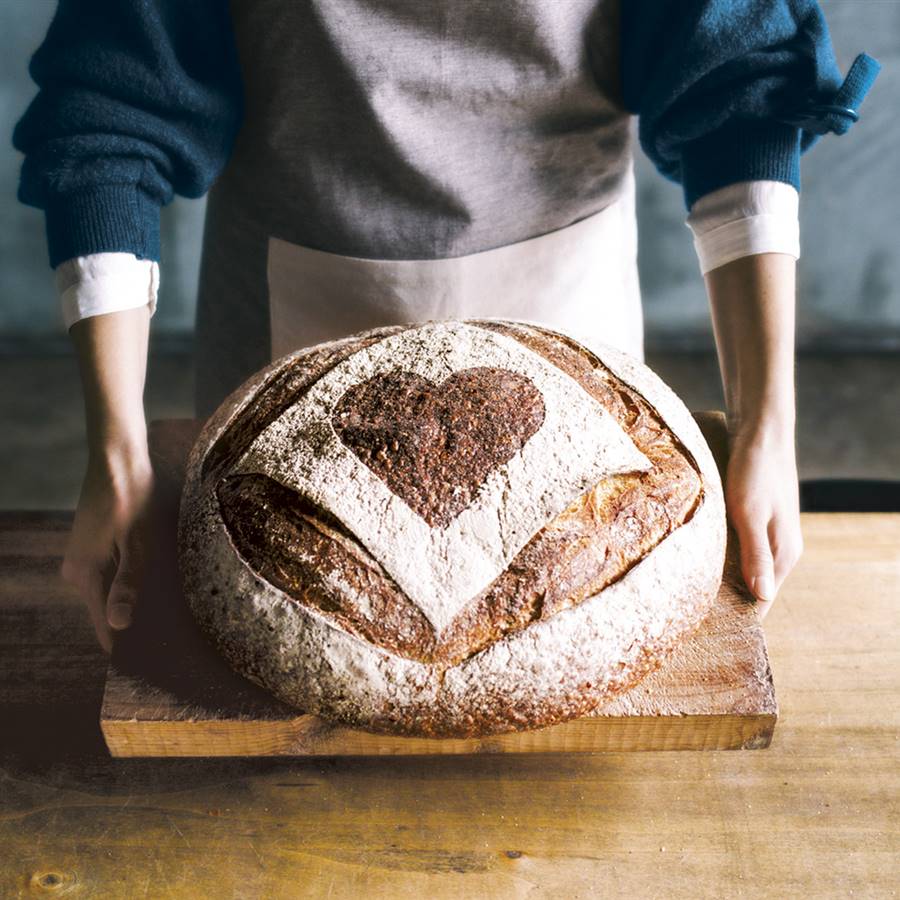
{"points": [[849, 272]]}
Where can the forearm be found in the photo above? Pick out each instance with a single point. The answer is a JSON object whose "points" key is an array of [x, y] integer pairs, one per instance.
{"points": [[112, 359], [752, 302]]}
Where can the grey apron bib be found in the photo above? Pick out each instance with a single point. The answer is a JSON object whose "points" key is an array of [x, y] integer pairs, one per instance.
{"points": [[402, 161]]}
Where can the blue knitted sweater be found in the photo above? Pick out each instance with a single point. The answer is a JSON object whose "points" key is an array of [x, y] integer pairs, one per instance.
{"points": [[139, 100]]}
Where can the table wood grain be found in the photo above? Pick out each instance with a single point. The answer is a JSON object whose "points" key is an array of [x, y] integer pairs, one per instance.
{"points": [[814, 815]]}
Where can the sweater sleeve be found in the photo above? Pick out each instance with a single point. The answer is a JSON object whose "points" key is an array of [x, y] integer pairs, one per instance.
{"points": [[138, 100], [734, 90]]}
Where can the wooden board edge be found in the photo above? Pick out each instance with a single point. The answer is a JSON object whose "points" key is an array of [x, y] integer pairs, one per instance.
{"points": [[310, 736]]}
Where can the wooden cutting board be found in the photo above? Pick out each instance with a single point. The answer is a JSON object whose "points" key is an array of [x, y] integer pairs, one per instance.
{"points": [[168, 693]]}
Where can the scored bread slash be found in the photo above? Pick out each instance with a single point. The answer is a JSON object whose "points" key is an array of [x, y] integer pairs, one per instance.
{"points": [[451, 529], [441, 568]]}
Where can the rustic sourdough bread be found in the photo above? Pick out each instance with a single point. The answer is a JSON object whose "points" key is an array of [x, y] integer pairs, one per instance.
{"points": [[451, 529]]}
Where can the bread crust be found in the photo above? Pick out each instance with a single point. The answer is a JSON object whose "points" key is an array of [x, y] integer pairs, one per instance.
{"points": [[590, 604]]}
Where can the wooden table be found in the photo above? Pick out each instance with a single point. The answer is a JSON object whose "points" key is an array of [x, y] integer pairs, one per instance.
{"points": [[814, 815]]}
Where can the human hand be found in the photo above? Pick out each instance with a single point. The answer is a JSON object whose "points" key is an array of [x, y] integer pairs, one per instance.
{"points": [[104, 556], [763, 504]]}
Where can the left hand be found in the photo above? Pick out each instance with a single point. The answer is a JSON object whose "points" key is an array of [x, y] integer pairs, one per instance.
{"points": [[762, 502]]}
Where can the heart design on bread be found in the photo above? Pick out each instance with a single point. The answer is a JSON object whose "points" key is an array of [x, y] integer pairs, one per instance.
{"points": [[435, 444]]}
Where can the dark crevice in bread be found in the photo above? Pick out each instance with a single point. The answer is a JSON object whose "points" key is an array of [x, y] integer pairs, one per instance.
{"points": [[280, 535]]}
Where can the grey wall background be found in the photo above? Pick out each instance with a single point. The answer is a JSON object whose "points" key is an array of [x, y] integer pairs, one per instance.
{"points": [[848, 276]]}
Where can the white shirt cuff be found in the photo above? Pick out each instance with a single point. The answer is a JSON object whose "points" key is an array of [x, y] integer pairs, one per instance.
{"points": [[105, 282], [744, 218]]}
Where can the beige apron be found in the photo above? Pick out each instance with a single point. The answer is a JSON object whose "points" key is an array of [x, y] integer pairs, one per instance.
{"points": [[401, 161], [581, 280]]}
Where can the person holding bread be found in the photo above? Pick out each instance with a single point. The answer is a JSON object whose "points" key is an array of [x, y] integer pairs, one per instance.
{"points": [[374, 162]]}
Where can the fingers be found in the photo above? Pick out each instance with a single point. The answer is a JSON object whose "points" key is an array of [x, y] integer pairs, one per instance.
{"points": [[762, 502], [122, 598], [768, 553], [108, 587], [91, 580], [757, 563], [104, 558]]}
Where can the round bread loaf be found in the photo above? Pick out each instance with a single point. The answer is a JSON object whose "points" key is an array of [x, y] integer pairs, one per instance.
{"points": [[455, 528]]}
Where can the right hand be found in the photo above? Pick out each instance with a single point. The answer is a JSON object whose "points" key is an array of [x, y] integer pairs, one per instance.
{"points": [[104, 556]]}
